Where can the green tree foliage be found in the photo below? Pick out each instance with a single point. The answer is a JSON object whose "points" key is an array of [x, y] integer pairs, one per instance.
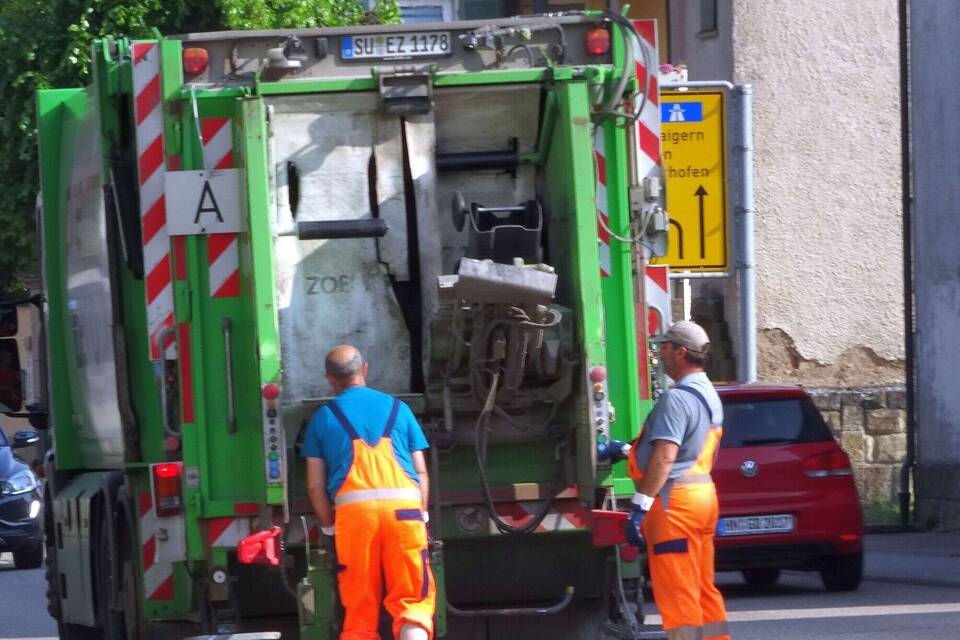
{"points": [[47, 43]]}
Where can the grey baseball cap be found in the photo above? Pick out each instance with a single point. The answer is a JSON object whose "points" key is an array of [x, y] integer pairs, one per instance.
{"points": [[686, 334]]}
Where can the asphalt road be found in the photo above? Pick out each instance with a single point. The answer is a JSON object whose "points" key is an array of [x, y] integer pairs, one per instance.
{"points": [[797, 608]]}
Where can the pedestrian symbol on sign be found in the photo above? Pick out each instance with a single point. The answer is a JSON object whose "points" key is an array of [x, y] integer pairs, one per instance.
{"points": [[681, 112]]}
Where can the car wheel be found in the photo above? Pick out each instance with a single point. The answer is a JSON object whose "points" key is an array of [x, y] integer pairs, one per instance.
{"points": [[761, 577], [30, 558], [842, 573]]}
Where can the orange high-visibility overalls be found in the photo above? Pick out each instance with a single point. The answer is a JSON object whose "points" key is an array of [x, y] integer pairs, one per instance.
{"points": [[380, 528], [680, 552]]}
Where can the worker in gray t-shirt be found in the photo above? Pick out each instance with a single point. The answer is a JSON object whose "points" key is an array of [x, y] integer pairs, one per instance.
{"points": [[674, 510]]}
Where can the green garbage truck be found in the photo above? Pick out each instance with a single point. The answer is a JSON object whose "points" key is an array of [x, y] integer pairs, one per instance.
{"points": [[471, 204]]}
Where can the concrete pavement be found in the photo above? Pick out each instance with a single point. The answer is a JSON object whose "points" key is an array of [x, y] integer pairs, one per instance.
{"points": [[922, 558]]}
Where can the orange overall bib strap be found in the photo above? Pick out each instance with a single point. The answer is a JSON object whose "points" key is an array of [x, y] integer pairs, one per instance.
{"points": [[380, 532]]}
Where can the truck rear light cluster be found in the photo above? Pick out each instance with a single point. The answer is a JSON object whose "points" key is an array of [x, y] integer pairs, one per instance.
{"points": [[167, 488], [597, 41], [195, 60], [830, 463]]}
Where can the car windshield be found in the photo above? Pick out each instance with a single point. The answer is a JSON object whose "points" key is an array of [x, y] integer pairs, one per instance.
{"points": [[765, 422]]}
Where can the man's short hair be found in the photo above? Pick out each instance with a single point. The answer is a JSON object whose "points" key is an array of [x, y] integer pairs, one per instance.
{"points": [[344, 370], [699, 358]]}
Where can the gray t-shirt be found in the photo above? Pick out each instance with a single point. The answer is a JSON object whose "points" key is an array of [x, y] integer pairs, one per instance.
{"points": [[681, 418]]}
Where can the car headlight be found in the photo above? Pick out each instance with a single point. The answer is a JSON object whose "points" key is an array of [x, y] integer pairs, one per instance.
{"points": [[18, 483]]}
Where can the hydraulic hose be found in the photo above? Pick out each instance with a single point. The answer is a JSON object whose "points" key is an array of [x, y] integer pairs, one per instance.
{"points": [[480, 446], [630, 32]]}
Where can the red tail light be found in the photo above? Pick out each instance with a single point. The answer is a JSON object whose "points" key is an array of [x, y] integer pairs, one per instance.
{"points": [[597, 41], [830, 463], [167, 488], [195, 60]]}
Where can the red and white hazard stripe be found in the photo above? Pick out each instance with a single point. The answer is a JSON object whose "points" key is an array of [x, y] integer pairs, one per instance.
{"points": [[656, 288], [148, 113], [648, 123], [227, 531], [603, 221], [564, 515], [223, 251], [157, 575]]}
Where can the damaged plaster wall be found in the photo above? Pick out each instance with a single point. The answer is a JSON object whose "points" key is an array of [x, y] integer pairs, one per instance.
{"points": [[827, 188]]}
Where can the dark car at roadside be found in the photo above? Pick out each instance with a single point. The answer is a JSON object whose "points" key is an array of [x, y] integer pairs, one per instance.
{"points": [[21, 530], [786, 490]]}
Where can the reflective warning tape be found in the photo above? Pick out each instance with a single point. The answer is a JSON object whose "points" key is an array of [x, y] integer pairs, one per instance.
{"points": [[648, 124], [603, 221], [157, 575], [223, 250], [227, 531], [564, 515], [656, 288], [148, 113]]}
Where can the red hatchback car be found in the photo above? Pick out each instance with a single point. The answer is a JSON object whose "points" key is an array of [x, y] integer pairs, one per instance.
{"points": [[787, 497]]}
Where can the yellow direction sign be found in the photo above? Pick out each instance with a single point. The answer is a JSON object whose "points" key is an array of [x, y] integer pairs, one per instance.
{"points": [[693, 145]]}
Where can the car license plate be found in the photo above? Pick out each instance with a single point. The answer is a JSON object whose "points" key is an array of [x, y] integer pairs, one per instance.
{"points": [[395, 45], [753, 525]]}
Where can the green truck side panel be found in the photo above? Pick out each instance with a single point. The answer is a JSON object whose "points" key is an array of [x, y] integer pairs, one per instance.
{"points": [[50, 108], [253, 150], [570, 174]]}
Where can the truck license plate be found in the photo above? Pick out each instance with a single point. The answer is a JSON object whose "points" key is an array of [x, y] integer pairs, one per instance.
{"points": [[395, 45], [754, 525]]}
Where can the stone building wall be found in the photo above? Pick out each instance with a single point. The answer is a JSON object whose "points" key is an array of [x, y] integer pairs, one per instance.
{"points": [[870, 423]]}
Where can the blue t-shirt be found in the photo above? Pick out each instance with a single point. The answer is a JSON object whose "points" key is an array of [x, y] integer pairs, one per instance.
{"points": [[367, 410]]}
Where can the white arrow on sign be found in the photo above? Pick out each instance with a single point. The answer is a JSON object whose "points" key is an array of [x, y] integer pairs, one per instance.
{"points": [[203, 202]]}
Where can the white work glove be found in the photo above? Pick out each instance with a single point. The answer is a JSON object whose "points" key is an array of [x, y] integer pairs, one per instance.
{"points": [[328, 531], [426, 516]]}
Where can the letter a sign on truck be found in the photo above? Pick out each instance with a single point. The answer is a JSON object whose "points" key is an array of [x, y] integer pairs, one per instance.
{"points": [[203, 202]]}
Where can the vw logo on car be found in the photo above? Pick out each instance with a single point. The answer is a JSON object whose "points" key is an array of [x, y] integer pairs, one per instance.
{"points": [[749, 468]]}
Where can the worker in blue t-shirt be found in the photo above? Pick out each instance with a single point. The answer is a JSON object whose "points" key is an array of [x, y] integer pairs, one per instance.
{"points": [[367, 481]]}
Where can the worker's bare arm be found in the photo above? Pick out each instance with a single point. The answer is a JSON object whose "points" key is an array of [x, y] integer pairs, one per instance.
{"points": [[420, 466], [316, 489], [658, 467]]}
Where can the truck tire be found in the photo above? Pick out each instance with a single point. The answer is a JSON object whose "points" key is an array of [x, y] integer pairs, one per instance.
{"points": [[106, 583], [130, 596], [29, 558]]}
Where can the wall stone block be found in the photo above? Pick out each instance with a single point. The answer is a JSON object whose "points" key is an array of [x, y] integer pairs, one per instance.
{"points": [[852, 418], [885, 421], [876, 483], [855, 445], [897, 399], [889, 449], [827, 401]]}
